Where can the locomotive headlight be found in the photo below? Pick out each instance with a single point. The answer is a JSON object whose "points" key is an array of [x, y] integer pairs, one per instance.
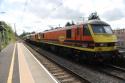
{"points": [[101, 44]]}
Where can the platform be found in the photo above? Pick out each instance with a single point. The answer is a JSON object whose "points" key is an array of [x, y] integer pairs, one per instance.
{"points": [[18, 65]]}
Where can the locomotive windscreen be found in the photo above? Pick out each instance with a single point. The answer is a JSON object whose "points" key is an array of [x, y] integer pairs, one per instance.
{"points": [[101, 29]]}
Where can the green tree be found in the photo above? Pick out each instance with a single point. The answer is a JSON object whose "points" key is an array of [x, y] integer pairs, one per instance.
{"points": [[6, 34], [68, 24], [93, 16]]}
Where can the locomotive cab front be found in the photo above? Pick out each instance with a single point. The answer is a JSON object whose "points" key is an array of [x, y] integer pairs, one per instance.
{"points": [[104, 39]]}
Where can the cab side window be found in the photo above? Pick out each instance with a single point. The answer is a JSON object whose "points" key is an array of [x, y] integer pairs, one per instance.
{"points": [[86, 30], [68, 33]]}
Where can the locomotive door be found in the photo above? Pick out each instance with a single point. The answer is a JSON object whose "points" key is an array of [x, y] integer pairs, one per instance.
{"points": [[78, 33]]}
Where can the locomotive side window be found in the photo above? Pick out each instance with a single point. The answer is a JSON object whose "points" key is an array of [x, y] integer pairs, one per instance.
{"points": [[78, 30], [68, 33], [86, 30], [43, 35]]}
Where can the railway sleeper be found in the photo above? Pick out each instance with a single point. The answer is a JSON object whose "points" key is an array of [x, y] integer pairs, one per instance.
{"points": [[49, 65], [60, 73], [64, 76], [68, 80], [54, 69], [57, 71]]}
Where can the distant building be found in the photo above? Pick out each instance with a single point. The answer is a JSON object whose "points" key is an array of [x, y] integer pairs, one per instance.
{"points": [[120, 33]]}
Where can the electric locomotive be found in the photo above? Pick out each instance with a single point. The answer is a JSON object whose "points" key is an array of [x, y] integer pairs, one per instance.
{"points": [[92, 40]]}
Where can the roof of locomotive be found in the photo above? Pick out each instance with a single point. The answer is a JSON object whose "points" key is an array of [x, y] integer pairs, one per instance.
{"points": [[73, 26], [60, 28], [96, 22]]}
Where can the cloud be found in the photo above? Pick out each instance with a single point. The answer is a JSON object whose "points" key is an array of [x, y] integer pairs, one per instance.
{"points": [[1, 1], [12, 5], [54, 9], [55, 2], [39, 13], [43, 8], [1, 5], [114, 14], [66, 13], [123, 1]]}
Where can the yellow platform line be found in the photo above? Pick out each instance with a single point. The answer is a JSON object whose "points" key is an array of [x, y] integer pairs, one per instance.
{"points": [[9, 80]]}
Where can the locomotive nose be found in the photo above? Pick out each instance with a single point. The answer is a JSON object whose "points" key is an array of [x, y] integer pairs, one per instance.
{"points": [[104, 38]]}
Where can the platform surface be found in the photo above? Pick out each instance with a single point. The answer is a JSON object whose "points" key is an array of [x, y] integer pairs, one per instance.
{"points": [[19, 65]]}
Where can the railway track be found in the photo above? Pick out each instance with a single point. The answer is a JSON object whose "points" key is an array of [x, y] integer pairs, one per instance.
{"points": [[114, 71], [78, 73], [61, 74], [110, 70]]}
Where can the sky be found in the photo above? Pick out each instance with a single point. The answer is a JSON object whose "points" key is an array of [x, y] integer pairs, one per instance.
{"points": [[40, 15]]}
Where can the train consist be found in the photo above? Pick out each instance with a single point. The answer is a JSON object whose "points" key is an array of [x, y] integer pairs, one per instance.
{"points": [[92, 40]]}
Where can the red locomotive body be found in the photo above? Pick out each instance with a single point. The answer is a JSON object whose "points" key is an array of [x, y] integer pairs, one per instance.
{"points": [[74, 35], [93, 39]]}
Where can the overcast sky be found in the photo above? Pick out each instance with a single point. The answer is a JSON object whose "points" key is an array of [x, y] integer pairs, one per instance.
{"points": [[39, 15]]}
